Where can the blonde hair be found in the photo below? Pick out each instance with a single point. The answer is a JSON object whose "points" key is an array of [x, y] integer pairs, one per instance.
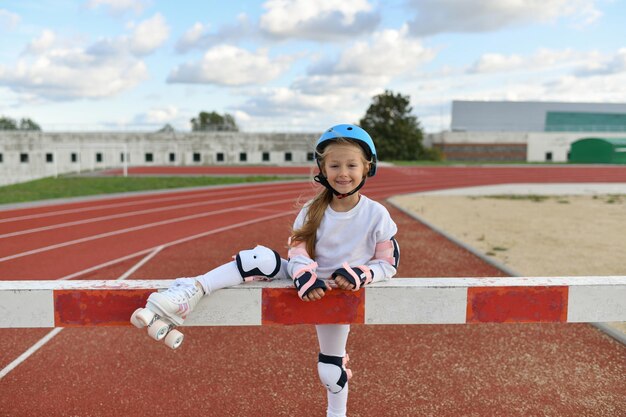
{"points": [[317, 207]]}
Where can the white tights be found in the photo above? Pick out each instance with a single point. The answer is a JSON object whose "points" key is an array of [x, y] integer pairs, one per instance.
{"points": [[332, 339]]}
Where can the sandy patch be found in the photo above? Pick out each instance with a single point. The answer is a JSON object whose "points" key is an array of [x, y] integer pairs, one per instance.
{"points": [[535, 235]]}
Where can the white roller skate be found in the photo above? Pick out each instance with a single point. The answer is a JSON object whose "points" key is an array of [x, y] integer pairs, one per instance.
{"points": [[168, 309]]}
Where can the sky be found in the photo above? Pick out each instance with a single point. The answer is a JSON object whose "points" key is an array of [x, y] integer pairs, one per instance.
{"points": [[298, 65]]}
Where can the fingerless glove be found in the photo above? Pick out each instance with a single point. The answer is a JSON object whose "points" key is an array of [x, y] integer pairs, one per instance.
{"points": [[357, 276]]}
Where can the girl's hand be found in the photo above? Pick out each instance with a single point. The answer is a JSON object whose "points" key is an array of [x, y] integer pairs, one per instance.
{"points": [[343, 283], [314, 295]]}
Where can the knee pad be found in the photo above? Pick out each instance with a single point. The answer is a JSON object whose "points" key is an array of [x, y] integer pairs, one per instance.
{"points": [[333, 373], [258, 262]]}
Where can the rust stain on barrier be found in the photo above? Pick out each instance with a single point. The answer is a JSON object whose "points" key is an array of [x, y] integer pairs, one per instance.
{"points": [[282, 306], [74, 308], [517, 304]]}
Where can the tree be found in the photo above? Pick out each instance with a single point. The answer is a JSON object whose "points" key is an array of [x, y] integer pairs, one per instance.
{"points": [[6, 123], [397, 132], [28, 124], [167, 128], [214, 122]]}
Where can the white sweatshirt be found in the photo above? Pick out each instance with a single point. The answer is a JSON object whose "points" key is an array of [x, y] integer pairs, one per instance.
{"points": [[349, 237]]}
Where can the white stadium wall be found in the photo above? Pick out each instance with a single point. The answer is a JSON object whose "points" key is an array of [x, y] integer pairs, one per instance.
{"points": [[30, 155]]}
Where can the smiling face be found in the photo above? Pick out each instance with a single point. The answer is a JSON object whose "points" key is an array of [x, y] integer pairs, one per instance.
{"points": [[344, 165]]}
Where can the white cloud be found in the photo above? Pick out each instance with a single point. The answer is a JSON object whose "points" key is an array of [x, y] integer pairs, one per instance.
{"points": [[286, 109], [312, 102], [389, 53], [8, 20], [612, 65], [42, 43], [339, 84], [340, 89], [162, 115], [51, 70], [437, 16], [146, 37], [320, 20], [191, 37], [149, 35], [199, 36], [72, 74], [118, 7], [600, 88], [543, 59], [231, 66]]}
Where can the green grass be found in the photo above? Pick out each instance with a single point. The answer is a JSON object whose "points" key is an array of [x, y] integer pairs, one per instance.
{"points": [[64, 187]]}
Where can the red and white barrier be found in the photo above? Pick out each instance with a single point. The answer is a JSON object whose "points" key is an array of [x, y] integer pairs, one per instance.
{"points": [[398, 301]]}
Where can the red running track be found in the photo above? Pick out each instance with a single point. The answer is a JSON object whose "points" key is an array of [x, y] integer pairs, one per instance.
{"points": [[399, 370]]}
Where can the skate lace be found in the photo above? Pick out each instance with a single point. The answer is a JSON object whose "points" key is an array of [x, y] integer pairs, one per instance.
{"points": [[183, 293]]}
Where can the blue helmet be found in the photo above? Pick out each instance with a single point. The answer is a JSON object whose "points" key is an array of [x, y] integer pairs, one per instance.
{"points": [[353, 133]]}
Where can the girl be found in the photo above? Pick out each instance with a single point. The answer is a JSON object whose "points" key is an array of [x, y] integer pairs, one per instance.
{"points": [[340, 236], [351, 239]]}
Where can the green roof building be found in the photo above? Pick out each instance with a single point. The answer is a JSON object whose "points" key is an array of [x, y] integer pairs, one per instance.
{"points": [[598, 151]]}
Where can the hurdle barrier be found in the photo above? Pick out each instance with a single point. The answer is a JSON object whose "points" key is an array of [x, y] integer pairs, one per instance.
{"points": [[590, 299]]}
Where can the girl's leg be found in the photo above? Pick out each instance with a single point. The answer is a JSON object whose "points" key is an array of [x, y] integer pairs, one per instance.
{"points": [[332, 340], [223, 276], [178, 301]]}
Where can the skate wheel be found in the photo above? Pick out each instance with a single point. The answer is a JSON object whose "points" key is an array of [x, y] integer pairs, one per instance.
{"points": [[144, 315], [174, 339], [158, 330], [135, 321]]}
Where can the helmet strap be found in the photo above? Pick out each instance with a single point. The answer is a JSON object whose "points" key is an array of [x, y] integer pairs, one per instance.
{"points": [[320, 178]]}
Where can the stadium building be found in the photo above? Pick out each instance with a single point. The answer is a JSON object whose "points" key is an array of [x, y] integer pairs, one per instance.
{"points": [[480, 131], [533, 131]]}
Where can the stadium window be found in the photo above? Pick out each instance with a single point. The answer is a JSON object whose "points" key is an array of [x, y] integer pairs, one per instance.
{"points": [[196, 157], [288, 156], [74, 157], [548, 156], [1, 158], [266, 156], [243, 157], [99, 157], [309, 156], [172, 157], [49, 157], [24, 158], [149, 157], [220, 157], [122, 157]]}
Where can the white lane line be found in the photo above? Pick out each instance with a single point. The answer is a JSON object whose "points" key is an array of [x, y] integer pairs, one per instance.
{"points": [[105, 264], [137, 213], [212, 193], [152, 252], [139, 264], [164, 222], [178, 241], [48, 337], [29, 352], [133, 229]]}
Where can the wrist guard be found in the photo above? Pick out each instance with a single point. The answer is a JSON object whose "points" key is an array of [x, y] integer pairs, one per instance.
{"points": [[307, 282], [357, 276]]}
